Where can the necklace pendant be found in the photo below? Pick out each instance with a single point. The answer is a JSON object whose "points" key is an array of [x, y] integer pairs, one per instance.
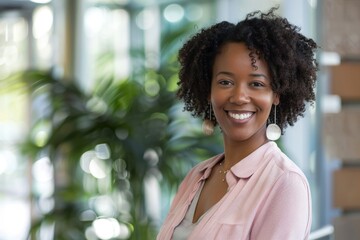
{"points": [[222, 171]]}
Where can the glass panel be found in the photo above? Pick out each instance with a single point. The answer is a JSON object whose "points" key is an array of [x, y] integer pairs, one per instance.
{"points": [[14, 184], [42, 34]]}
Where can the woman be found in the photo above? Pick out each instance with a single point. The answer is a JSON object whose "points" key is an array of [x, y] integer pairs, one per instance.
{"points": [[244, 77]]}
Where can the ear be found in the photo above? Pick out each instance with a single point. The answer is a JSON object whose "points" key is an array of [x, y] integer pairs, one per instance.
{"points": [[276, 99]]}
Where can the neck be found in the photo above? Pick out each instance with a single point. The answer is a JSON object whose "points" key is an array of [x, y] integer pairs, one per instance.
{"points": [[235, 151]]}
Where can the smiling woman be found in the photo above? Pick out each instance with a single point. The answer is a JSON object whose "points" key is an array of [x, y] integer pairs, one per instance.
{"points": [[241, 95], [243, 77]]}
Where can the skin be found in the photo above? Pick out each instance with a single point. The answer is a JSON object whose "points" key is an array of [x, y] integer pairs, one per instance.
{"points": [[241, 97]]}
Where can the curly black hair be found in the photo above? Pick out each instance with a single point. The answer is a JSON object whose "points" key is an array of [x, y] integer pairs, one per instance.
{"points": [[289, 54]]}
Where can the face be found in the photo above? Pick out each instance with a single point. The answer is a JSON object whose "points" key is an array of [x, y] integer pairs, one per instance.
{"points": [[241, 96]]}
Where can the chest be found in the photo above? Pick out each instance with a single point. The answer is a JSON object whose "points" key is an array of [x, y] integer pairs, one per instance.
{"points": [[214, 189]]}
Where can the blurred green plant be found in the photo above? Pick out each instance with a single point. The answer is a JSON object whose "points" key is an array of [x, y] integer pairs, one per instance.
{"points": [[105, 146]]}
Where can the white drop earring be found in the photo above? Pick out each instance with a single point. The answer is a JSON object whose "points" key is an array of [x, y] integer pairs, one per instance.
{"points": [[273, 131], [208, 125]]}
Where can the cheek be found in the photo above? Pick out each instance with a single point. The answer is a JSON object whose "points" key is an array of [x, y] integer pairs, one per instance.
{"points": [[217, 97], [217, 101], [266, 103]]}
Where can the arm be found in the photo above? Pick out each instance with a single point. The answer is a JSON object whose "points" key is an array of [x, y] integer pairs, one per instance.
{"points": [[286, 214]]}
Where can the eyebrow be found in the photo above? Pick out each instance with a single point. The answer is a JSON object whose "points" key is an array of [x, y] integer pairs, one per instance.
{"points": [[259, 75], [251, 74], [225, 73]]}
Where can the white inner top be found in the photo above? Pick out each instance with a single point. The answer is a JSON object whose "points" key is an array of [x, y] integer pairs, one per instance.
{"points": [[184, 229]]}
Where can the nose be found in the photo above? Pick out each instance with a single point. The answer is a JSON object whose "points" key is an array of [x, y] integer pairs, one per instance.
{"points": [[239, 95]]}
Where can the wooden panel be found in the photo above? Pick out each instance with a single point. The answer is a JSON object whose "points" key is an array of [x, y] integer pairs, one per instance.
{"points": [[345, 81], [341, 135], [346, 188], [347, 227], [340, 27]]}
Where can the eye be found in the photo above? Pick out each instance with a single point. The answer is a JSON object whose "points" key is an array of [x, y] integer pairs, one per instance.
{"points": [[257, 84], [224, 82]]}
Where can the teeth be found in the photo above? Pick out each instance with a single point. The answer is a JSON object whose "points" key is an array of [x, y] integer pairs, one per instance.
{"points": [[240, 116]]}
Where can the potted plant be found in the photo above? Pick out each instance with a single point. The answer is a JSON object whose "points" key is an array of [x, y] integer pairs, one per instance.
{"points": [[105, 146]]}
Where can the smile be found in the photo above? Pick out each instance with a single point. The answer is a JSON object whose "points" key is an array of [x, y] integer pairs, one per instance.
{"points": [[240, 116]]}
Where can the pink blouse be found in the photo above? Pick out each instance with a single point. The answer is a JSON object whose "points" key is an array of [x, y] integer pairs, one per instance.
{"points": [[268, 198]]}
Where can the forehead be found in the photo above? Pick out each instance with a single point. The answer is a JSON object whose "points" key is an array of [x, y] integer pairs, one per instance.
{"points": [[238, 56]]}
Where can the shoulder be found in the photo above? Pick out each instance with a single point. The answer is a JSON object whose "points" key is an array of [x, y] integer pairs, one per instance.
{"points": [[200, 169], [286, 182], [278, 159], [284, 171], [204, 165]]}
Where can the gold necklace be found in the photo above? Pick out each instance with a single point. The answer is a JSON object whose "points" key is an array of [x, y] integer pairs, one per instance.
{"points": [[222, 171]]}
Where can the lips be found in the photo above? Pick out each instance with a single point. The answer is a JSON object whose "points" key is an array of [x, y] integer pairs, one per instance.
{"points": [[240, 116]]}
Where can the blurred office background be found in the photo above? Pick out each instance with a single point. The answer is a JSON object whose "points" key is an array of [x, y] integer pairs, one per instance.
{"points": [[93, 142]]}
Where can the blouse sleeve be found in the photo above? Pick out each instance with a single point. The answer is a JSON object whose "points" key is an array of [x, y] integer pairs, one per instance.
{"points": [[286, 214]]}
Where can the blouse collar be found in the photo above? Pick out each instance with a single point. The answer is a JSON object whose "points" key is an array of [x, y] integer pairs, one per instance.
{"points": [[244, 168]]}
